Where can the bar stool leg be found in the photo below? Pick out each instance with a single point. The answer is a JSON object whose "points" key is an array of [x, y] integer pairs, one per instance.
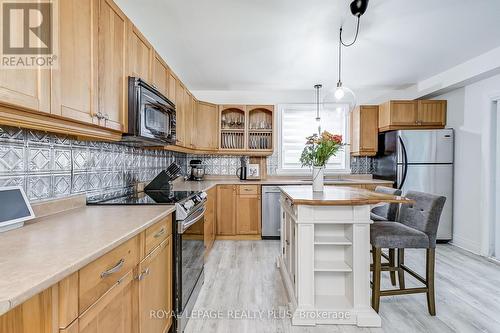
{"points": [[431, 261], [377, 270], [392, 263], [401, 272]]}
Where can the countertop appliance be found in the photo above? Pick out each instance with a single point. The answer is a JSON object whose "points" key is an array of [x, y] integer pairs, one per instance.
{"points": [[420, 160], [188, 243], [197, 170], [242, 173], [16, 208], [151, 115], [271, 212]]}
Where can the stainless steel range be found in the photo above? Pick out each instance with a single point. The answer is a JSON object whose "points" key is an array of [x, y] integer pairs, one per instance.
{"points": [[189, 247], [189, 252]]}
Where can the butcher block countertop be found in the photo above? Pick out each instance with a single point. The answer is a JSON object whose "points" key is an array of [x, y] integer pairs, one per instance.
{"points": [[337, 196]]}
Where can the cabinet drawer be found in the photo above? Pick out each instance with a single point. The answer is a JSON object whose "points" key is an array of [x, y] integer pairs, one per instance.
{"points": [[158, 233], [248, 189], [100, 275]]}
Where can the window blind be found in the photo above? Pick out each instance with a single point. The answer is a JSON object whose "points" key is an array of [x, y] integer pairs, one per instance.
{"points": [[299, 121]]}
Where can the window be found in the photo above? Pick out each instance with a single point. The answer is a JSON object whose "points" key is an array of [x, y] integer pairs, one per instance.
{"points": [[298, 121]]}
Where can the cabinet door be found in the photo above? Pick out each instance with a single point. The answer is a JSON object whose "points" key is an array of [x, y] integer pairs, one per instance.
{"points": [[180, 114], [25, 88], [140, 54], [248, 215], [112, 70], [432, 113], [36, 315], [210, 219], [155, 289], [205, 122], [114, 312], [160, 74], [74, 82], [188, 119], [364, 130], [404, 113], [226, 208], [172, 84]]}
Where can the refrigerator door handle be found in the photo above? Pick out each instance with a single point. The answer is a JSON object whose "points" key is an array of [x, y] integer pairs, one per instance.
{"points": [[405, 161]]}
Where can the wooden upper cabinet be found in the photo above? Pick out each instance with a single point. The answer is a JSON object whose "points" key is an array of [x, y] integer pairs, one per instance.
{"points": [[432, 112], [425, 114], [205, 122], [140, 54], [226, 210], [179, 113], [36, 315], [161, 74], [364, 130], [112, 69], [155, 288], [74, 82], [189, 129], [172, 86]]}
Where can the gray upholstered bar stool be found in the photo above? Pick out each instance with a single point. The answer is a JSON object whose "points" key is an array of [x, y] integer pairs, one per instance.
{"points": [[387, 212], [416, 228]]}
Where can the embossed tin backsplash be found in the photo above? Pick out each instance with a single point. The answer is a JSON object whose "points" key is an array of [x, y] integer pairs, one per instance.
{"points": [[52, 165]]}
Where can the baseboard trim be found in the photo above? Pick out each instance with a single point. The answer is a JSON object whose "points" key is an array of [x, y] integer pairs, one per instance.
{"points": [[466, 244], [239, 237]]}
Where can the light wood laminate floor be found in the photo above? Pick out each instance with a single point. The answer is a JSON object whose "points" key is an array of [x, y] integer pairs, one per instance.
{"points": [[242, 276]]}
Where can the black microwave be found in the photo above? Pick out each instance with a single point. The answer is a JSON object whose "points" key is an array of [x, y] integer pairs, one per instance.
{"points": [[151, 115]]}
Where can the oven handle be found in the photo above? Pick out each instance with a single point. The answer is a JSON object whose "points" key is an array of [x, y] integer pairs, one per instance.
{"points": [[198, 215]]}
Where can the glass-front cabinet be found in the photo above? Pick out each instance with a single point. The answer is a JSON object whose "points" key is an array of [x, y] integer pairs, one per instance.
{"points": [[248, 128]]}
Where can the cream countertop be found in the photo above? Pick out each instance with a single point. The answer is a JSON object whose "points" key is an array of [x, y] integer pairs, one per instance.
{"points": [[41, 254], [207, 184], [337, 196]]}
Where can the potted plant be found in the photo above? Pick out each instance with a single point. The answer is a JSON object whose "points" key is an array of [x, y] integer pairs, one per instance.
{"points": [[317, 152]]}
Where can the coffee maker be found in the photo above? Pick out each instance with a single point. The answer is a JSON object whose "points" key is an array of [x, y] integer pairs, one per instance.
{"points": [[197, 170]]}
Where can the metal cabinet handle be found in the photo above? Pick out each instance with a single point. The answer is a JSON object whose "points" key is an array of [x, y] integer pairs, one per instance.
{"points": [[114, 269], [143, 274], [160, 233], [99, 115]]}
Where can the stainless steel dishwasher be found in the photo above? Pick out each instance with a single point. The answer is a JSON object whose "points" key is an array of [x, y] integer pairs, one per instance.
{"points": [[270, 212]]}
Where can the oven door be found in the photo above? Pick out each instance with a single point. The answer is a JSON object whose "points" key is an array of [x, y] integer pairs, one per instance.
{"points": [[192, 246]]}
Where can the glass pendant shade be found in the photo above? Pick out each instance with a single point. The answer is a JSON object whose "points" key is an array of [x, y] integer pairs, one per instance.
{"points": [[341, 95]]}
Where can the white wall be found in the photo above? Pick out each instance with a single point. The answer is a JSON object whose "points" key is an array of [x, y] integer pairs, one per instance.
{"points": [[469, 113]]}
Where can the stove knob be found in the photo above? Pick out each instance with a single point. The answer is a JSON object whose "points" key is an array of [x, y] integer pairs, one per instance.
{"points": [[188, 204], [203, 195]]}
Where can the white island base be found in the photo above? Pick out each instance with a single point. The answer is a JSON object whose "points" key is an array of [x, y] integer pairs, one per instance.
{"points": [[325, 263]]}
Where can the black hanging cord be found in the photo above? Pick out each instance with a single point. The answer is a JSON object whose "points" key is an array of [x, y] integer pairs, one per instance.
{"points": [[355, 37], [341, 43]]}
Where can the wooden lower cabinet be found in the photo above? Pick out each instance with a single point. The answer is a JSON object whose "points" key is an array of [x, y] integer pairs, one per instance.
{"points": [[226, 210], [155, 289], [210, 219], [36, 315], [238, 213], [114, 312], [248, 215]]}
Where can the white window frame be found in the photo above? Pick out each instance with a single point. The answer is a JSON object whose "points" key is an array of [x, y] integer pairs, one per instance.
{"points": [[305, 171]]}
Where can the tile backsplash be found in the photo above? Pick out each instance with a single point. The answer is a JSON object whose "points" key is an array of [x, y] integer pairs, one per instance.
{"points": [[52, 165], [362, 165]]}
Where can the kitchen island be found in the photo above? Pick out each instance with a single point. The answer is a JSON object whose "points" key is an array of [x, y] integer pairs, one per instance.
{"points": [[325, 257]]}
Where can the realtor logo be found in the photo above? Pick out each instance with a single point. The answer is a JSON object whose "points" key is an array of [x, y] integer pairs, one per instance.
{"points": [[28, 34]]}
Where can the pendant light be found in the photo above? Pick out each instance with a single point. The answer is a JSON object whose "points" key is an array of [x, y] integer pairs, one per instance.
{"points": [[342, 94], [318, 105]]}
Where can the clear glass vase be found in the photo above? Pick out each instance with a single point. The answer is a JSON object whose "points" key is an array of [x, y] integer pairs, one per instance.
{"points": [[318, 179]]}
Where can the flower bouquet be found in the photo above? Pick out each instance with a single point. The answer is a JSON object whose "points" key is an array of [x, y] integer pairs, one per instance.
{"points": [[317, 152]]}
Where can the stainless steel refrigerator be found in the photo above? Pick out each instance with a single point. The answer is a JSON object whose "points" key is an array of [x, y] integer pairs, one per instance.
{"points": [[420, 160]]}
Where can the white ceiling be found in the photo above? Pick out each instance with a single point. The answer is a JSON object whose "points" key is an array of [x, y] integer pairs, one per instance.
{"points": [[292, 44]]}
